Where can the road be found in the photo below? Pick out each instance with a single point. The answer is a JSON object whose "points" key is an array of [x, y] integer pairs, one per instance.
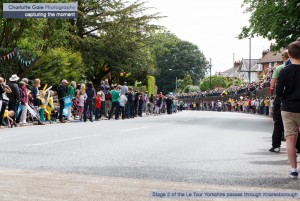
{"points": [[126, 160]]}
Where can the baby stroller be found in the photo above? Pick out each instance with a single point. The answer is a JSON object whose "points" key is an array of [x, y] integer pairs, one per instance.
{"points": [[34, 114]]}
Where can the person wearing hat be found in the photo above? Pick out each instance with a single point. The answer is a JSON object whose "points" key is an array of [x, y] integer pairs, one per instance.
{"points": [[14, 96], [62, 91]]}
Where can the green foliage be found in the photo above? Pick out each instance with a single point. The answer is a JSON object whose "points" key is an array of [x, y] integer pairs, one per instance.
{"points": [[140, 88], [234, 81], [175, 58], [151, 85], [187, 81], [58, 64], [216, 81], [191, 88], [275, 20], [117, 33]]}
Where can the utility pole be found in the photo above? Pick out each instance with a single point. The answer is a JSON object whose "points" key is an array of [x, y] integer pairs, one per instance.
{"points": [[210, 73], [249, 73]]}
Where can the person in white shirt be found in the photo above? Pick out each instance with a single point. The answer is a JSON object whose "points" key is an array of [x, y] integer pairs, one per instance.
{"points": [[102, 96], [124, 88], [123, 101], [81, 103]]}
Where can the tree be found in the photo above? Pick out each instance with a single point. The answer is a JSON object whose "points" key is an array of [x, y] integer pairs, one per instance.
{"points": [[191, 88], [216, 81], [275, 20], [187, 80], [33, 38], [175, 58], [58, 64], [234, 82], [116, 33]]}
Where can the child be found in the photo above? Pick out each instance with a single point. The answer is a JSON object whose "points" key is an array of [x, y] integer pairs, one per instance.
{"points": [[80, 104], [50, 105], [7, 117], [123, 100], [98, 106], [43, 107]]}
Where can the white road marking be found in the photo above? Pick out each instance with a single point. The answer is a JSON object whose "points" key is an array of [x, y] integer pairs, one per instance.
{"points": [[164, 124], [62, 140], [133, 129]]}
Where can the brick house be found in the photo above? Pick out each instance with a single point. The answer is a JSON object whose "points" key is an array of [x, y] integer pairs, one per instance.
{"points": [[269, 61]]}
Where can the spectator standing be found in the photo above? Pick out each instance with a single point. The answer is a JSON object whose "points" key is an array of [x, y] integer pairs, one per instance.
{"points": [[88, 104], [129, 105], [288, 89], [3, 98], [102, 97], [140, 104], [24, 101], [71, 91], [123, 101], [115, 93], [267, 106], [151, 101], [108, 98], [124, 88], [14, 96], [61, 93], [98, 106], [278, 130]]}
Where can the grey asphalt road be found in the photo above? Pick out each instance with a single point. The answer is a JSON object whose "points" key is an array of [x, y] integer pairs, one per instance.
{"points": [[211, 150]]}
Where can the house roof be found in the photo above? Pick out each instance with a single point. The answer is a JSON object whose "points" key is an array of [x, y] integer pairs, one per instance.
{"points": [[232, 72], [272, 57], [255, 68], [245, 62]]}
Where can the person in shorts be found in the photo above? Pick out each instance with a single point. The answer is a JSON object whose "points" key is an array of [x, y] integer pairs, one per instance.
{"points": [[288, 88]]}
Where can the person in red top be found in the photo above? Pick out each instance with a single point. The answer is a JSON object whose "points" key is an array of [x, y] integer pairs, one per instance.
{"points": [[249, 105], [98, 106]]}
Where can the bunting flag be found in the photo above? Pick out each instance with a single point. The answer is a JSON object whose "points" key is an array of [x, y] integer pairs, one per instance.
{"points": [[16, 52]]}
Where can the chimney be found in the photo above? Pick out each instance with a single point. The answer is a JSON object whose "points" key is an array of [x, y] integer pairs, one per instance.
{"points": [[264, 53], [237, 64]]}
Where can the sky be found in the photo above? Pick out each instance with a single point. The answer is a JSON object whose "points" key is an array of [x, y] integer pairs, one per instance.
{"points": [[213, 26]]}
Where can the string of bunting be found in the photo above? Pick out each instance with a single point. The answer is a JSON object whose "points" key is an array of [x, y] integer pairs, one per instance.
{"points": [[16, 53]]}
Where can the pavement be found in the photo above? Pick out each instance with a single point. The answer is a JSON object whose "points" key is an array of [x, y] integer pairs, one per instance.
{"points": [[128, 160]]}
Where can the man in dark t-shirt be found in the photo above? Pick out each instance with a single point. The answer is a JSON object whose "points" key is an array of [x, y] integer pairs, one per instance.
{"points": [[288, 89]]}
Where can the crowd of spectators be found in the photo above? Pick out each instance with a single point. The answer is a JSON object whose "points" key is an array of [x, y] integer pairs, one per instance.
{"points": [[250, 88]]}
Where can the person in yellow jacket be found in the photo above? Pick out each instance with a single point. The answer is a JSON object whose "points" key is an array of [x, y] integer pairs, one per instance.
{"points": [[267, 104], [7, 117], [50, 105]]}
